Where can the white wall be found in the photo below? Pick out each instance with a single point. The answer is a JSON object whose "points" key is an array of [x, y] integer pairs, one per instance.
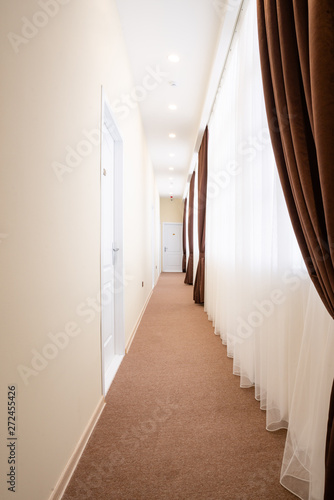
{"points": [[50, 230]]}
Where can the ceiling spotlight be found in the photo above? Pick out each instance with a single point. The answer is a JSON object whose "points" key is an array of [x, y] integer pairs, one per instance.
{"points": [[172, 107], [172, 155], [173, 83], [172, 136], [171, 168], [173, 58]]}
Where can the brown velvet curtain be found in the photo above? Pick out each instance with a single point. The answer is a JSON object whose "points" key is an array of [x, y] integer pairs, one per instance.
{"points": [[184, 238], [297, 59], [190, 266], [202, 183]]}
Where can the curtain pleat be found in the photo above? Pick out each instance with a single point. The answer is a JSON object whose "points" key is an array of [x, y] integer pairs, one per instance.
{"points": [[189, 272], [296, 42], [301, 124], [329, 462], [198, 294], [184, 238]]}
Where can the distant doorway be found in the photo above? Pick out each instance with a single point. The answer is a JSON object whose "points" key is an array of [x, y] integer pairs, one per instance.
{"points": [[172, 247]]}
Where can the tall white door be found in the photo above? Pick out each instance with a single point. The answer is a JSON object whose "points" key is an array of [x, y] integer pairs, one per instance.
{"points": [[172, 247], [107, 249], [112, 267], [153, 245]]}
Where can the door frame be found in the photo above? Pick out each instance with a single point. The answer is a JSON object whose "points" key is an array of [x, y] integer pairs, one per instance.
{"points": [[108, 119], [163, 243], [153, 244]]}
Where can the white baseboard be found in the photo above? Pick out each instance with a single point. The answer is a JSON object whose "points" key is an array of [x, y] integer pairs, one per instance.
{"points": [[129, 342], [66, 475]]}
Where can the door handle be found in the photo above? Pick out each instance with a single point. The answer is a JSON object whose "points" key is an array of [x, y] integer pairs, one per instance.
{"points": [[114, 251]]}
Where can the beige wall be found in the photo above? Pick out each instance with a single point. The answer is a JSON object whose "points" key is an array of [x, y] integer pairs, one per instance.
{"points": [[170, 211], [50, 230]]}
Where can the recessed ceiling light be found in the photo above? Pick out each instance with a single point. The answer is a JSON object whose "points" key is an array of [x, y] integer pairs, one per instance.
{"points": [[171, 155], [173, 58], [172, 136], [170, 178], [172, 107], [171, 168]]}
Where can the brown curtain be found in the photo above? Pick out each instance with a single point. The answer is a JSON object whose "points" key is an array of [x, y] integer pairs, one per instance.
{"points": [[297, 59], [184, 240], [202, 182], [190, 266]]}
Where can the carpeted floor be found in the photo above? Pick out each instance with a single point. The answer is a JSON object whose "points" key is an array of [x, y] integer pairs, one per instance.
{"points": [[176, 424]]}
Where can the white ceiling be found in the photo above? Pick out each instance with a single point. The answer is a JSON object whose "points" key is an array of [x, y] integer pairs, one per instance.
{"points": [[199, 31]]}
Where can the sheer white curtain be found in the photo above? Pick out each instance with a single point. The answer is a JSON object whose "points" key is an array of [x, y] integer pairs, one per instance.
{"points": [[257, 292], [186, 222], [196, 247]]}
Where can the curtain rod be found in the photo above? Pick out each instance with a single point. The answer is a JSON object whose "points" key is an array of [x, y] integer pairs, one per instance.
{"points": [[229, 50]]}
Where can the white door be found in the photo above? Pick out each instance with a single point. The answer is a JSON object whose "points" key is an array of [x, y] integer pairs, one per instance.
{"points": [[172, 247], [153, 245], [107, 241], [112, 276]]}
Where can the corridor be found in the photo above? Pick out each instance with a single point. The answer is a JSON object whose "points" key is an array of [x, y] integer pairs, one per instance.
{"points": [[176, 424]]}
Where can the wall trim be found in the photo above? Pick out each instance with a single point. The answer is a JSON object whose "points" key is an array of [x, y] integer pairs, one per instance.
{"points": [[134, 331], [71, 465]]}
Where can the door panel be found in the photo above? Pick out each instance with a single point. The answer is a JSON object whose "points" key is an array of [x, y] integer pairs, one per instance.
{"points": [[172, 247], [107, 259], [112, 263]]}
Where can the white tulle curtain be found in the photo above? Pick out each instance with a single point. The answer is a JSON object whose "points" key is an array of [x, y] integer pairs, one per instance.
{"points": [[196, 248], [186, 222], [257, 292]]}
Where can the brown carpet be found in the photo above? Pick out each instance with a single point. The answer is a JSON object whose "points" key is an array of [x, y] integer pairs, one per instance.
{"points": [[176, 424]]}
